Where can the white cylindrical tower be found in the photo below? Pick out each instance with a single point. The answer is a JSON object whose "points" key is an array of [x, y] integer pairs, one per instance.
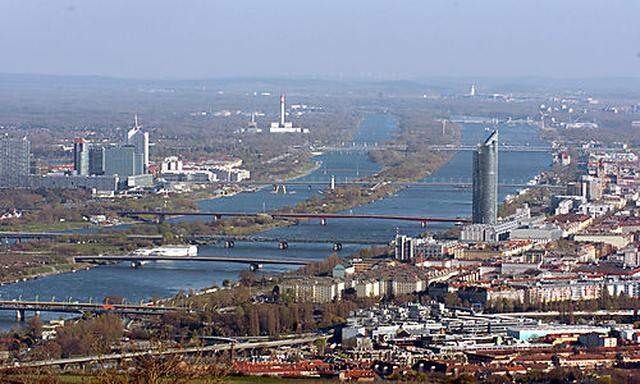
{"points": [[282, 110]]}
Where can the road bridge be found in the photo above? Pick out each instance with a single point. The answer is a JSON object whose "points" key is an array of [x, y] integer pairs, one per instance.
{"points": [[323, 217], [233, 346], [283, 243], [501, 148], [407, 184], [360, 147], [137, 261], [21, 307]]}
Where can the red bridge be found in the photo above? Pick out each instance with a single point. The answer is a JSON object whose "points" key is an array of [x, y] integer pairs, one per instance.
{"points": [[161, 215]]}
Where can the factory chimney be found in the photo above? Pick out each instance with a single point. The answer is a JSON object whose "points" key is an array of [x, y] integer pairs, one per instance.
{"points": [[282, 110]]}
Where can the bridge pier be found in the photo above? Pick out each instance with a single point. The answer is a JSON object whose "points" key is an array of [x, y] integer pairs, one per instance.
{"points": [[229, 244], [282, 245], [20, 315], [136, 264], [323, 221], [337, 247], [255, 266], [423, 224], [161, 219]]}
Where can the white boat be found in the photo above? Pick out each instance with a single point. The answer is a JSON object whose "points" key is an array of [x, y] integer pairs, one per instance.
{"points": [[169, 250]]}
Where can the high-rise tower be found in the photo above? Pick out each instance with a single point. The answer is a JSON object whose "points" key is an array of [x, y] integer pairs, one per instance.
{"points": [[137, 137], [15, 157], [485, 181], [80, 157]]}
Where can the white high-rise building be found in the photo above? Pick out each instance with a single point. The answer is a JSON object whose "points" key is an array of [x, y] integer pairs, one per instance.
{"points": [[284, 126], [139, 138], [473, 91]]}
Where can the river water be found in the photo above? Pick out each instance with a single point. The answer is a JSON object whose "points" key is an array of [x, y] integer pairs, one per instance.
{"points": [[163, 279]]}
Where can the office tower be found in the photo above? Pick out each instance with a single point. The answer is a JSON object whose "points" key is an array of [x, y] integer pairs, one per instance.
{"points": [[80, 157], [96, 160], [14, 162], [137, 137], [485, 181], [122, 161]]}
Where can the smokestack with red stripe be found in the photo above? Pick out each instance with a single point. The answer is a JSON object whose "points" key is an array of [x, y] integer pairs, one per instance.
{"points": [[282, 110]]}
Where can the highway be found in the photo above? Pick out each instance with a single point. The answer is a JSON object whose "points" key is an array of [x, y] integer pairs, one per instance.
{"points": [[618, 312], [172, 351]]}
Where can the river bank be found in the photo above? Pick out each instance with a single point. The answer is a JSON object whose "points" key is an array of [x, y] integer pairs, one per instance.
{"points": [[157, 280]]}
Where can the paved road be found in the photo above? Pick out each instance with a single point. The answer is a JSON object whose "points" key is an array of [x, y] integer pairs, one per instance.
{"points": [[172, 351]]}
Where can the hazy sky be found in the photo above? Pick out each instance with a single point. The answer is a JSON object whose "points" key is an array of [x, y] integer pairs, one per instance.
{"points": [[422, 38]]}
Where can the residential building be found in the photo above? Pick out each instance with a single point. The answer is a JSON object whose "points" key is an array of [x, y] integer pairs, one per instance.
{"points": [[405, 247]]}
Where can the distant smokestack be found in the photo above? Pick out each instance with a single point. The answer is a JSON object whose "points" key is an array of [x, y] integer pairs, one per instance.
{"points": [[282, 110]]}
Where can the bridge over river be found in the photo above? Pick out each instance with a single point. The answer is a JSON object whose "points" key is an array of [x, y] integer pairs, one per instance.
{"points": [[137, 260], [161, 215], [283, 242], [21, 307]]}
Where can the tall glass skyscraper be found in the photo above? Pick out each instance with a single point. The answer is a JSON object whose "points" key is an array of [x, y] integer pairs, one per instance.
{"points": [[485, 181], [81, 157], [14, 162]]}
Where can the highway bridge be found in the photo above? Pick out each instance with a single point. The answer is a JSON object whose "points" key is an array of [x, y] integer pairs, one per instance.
{"points": [[116, 357], [323, 217], [283, 243], [21, 307], [360, 147], [137, 261], [406, 184]]}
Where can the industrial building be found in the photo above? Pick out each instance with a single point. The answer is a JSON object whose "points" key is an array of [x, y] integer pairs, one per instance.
{"points": [[284, 126]]}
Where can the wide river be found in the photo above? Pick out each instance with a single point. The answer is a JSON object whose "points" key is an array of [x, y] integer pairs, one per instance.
{"points": [[163, 279]]}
